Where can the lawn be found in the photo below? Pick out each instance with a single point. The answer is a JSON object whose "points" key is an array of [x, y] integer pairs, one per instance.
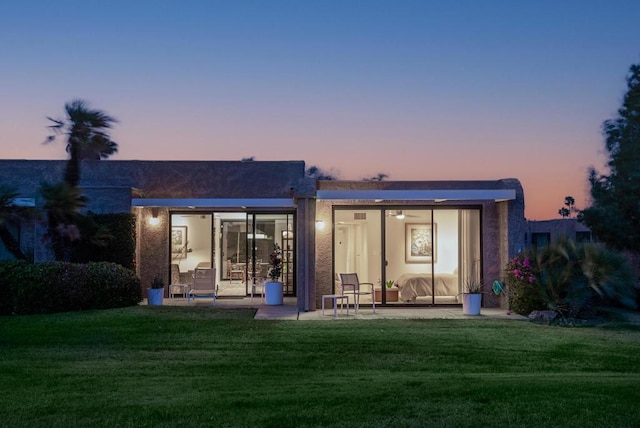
{"points": [[179, 366]]}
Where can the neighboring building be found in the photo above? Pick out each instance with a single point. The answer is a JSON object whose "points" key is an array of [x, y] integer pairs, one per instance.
{"points": [[542, 233], [429, 237]]}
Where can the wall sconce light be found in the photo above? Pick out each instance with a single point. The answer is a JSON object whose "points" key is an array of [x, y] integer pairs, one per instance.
{"points": [[154, 220], [399, 215], [320, 224]]}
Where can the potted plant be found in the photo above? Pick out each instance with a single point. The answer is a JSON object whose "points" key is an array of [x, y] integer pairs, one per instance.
{"points": [[472, 297], [273, 288], [156, 292], [391, 293]]}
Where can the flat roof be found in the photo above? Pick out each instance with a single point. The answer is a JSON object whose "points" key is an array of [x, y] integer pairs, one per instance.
{"points": [[214, 202], [498, 195]]}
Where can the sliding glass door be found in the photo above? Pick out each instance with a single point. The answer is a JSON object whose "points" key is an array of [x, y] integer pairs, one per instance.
{"points": [[247, 241], [425, 257]]}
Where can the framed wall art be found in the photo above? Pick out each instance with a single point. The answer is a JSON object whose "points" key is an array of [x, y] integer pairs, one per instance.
{"points": [[420, 243], [179, 241]]}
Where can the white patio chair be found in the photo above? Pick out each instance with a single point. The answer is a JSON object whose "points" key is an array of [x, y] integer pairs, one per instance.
{"points": [[351, 285], [204, 285]]}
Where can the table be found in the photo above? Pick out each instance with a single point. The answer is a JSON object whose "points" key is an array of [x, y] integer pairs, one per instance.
{"points": [[335, 298]]}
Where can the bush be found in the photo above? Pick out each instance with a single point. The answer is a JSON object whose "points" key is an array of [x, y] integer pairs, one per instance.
{"points": [[571, 279], [524, 294], [59, 287]]}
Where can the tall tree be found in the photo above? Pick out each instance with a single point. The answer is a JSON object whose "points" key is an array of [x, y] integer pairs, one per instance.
{"points": [[87, 136], [569, 207], [86, 131], [614, 214]]}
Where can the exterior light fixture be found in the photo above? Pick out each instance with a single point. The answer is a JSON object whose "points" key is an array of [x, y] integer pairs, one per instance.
{"points": [[399, 215], [320, 224], [154, 220]]}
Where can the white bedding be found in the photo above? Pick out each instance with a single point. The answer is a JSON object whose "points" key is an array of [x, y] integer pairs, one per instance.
{"points": [[413, 285]]}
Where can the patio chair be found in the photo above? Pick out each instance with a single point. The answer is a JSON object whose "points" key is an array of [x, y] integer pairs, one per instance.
{"points": [[351, 285], [234, 272], [176, 286], [204, 285]]}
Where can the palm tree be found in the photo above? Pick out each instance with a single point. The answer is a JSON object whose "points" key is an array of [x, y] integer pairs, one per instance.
{"points": [[10, 211], [62, 204], [87, 136]]}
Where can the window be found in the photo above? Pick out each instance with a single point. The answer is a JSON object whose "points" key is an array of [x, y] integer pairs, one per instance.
{"points": [[540, 239], [583, 237]]}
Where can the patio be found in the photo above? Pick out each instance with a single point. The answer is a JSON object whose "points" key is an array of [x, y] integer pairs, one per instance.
{"points": [[288, 310]]}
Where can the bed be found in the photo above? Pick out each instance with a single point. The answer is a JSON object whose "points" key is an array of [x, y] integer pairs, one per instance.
{"points": [[414, 285]]}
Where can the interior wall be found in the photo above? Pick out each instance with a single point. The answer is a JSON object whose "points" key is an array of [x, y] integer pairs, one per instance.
{"points": [[198, 240]]}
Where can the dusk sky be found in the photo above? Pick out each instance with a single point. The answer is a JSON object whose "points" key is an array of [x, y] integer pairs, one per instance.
{"points": [[419, 90]]}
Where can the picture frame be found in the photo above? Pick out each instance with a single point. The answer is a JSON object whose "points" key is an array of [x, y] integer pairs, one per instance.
{"points": [[420, 243], [179, 241]]}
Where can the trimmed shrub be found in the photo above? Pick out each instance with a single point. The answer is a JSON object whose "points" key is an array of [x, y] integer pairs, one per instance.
{"points": [[59, 287]]}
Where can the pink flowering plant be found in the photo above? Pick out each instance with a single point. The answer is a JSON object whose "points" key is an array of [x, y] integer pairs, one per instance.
{"points": [[524, 293], [522, 270]]}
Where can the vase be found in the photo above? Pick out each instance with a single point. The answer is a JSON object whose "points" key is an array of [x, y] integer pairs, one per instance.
{"points": [[391, 294], [273, 292], [154, 296], [471, 304]]}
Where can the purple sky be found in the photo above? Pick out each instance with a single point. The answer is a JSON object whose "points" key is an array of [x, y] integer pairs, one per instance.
{"points": [[420, 90]]}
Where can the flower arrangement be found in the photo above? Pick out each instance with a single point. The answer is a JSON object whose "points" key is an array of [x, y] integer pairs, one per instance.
{"points": [[275, 262]]}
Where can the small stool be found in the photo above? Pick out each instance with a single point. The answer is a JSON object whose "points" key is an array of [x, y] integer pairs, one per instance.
{"points": [[335, 298], [182, 289]]}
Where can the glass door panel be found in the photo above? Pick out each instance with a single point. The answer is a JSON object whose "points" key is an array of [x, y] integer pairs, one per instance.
{"points": [[410, 250], [231, 229], [446, 283], [358, 246], [191, 245]]}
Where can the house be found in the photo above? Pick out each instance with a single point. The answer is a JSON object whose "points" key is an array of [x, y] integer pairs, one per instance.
{"points": [[542, 232], [428, 238]]}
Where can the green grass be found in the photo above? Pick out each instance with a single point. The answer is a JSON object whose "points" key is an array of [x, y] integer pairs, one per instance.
{"points": [[176, 366]]}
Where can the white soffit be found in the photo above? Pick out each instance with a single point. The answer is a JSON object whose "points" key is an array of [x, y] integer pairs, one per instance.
{"points": [[497, 195], [217, 203]]}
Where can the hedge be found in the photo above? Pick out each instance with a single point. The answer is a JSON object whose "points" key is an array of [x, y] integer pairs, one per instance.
{"points": [[60, 287]]}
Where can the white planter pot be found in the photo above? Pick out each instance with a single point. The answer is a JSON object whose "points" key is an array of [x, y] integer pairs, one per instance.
{"points": [[154, 296], [273, 293], [471, 304]]}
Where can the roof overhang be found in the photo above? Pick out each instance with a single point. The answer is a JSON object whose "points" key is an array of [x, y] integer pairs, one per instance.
{"points": [[497, 195], [217, 203]]}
